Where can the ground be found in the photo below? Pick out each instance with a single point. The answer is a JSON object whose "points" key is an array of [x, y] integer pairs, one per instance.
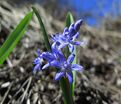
{"points": [[100, 82]]}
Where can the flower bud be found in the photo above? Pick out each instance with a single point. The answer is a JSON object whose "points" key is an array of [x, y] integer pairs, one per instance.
{"points": [[78, 24]]}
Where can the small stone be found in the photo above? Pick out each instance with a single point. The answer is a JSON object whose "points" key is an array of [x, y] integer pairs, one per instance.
{"points": [[88, 98], [28, 101], [4, 85], [118, 82]]}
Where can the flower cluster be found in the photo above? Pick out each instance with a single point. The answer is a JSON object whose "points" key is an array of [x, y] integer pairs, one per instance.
{"points": [[68, 37], [56, 57]]}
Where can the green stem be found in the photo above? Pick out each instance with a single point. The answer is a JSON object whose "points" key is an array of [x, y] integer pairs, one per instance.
{"points": [[66, 89]]}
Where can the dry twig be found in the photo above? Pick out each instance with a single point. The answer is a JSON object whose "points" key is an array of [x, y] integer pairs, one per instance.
{"points": [[6, 93]]}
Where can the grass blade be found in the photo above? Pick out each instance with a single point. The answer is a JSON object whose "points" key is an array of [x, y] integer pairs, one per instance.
{"points": [[14, 37], [45, 36]]}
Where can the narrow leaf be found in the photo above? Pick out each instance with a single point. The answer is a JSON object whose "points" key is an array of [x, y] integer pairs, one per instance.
{"points": [[14, 37], [69, 21], [45, 36]]}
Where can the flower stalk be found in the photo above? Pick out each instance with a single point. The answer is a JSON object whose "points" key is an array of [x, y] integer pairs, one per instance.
{"points": [[61, 55], [66, 90]]}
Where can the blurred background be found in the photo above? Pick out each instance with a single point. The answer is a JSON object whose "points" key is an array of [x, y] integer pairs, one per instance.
{"points": [[100, 82], [93, 12]]}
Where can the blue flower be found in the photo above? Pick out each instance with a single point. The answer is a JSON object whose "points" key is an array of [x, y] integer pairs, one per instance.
{"points": [[57, 59], [66, 67], [38, 61], [69, 36], [52, 56]]}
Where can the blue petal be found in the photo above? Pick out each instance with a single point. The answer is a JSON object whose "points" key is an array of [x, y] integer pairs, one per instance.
{"points": [[76, 43], [55, 64], [77, 25], [37, 67], [65, 31], [70, 77], [38, 52], [58, 54], [62, 46], [77, 67], [81, 43], [54, 45], [61, 57], [71, 26], [53, 38], [57, 38], [70, 58], [46, 66], [71, 48], [48, 56], [72, 31], [37, 60], [76, 36], [59, 75]]}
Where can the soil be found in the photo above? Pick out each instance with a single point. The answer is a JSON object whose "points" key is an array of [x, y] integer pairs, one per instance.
{"points": [[99, 83]]}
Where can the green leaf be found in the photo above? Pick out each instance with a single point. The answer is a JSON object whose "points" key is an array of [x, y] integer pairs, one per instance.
{"points": [[14, 37], [69, 21], [45, 36], [74, 73]]}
